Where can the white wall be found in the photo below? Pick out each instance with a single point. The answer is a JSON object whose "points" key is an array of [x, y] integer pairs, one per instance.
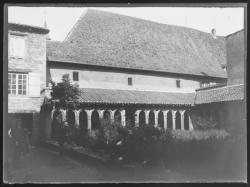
{"points": [[117, 80]]}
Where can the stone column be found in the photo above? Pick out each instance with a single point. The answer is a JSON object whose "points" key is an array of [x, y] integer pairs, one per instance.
{"points": [[165, 118], [89, 113], [147, 116], [64, 113], [173, 118], [190, 123], [182, 112], [156, 112], [112, 115], [52, 113], [123, 117], [137, 112], [100, 112], [77, 114]]}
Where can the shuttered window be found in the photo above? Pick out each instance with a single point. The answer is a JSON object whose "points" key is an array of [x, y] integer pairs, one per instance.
{"points": [[34, 84], [17, 83], [17, 46]]}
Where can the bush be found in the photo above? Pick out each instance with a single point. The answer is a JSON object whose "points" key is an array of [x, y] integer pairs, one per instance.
{"points": [[141, 144], [193, 145]]}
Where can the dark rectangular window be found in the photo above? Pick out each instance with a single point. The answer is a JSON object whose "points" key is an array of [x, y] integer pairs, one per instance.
{"points": [[178, 83], [130, 81], [75, 76]]}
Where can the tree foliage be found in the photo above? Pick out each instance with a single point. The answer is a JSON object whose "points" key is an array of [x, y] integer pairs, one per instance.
{"points": [[65, 92]]}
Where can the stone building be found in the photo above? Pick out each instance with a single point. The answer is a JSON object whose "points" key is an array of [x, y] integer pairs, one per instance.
{"points": [[26, 74], [226, 104], [136, 70]]}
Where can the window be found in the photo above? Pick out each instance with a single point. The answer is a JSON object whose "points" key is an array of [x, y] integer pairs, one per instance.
{"points": [[130, 81], [17, 46], [178, 83], [17, 83], [75, 76]]}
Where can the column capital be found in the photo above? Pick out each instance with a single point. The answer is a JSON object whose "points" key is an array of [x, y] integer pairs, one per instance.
{"points": [[156, 112], [182, 112], [173, 111], [146, 112], [89, 112], [165, 111], [137, 112]]}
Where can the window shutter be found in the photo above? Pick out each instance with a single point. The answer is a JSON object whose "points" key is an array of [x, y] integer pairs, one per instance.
{"points": [[34, 84]]}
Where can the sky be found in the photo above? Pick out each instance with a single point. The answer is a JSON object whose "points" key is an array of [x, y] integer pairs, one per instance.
{"points": [[60, 20]]}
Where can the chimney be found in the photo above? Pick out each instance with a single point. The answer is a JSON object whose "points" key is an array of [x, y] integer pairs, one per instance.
{"points": [[213, 33]]}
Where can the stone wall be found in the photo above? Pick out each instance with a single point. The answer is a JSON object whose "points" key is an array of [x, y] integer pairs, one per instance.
{"points": [[107, 79], [235, 58], [34, 61]]}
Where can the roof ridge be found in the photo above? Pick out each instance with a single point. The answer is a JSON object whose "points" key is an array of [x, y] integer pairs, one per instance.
{"points": [[89, 10]]}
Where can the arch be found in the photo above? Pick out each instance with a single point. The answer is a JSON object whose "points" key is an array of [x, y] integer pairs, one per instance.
{"points": [[117, 116], [130, 116], [161, 119], [70, 118], [54, 124], [178, 120], [169, 120], [106, 115], [95, 121], [151, 116], [186, 120], [83, 121], [141, 118]]}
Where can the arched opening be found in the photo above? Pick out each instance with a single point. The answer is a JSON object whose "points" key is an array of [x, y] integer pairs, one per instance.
{"points": [[95, 122], [106, 115], [151, 119], [83, 121], [186, 120], [178, 120], [169, 120], [141, 118], [161, 119], [117, 116], [70, 117], [130, 117]]}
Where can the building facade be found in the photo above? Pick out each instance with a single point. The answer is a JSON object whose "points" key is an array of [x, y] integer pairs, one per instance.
{"points": [[26, 74], [135, 70]]}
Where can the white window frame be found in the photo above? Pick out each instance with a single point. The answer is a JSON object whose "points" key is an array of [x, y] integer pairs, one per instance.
{"points": [[16, 36], [16, 84]]}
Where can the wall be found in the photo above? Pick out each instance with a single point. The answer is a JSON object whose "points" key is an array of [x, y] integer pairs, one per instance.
{"points": [[92, 78], [235, 58], [34, 61], [231, 115]]}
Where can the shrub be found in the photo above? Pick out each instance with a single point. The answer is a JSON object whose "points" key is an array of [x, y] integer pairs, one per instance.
{"points": [[141, 144], [193, 145]]}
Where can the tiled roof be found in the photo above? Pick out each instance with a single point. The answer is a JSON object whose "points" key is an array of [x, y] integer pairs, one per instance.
{"points": [[107, 39], [92, 95], [27, 28], [226, 93]]}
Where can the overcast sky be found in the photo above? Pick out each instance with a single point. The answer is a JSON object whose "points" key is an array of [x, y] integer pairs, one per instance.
{"points": [[61, 20]]}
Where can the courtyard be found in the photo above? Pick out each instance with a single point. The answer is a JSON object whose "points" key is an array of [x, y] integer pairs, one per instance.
{"points": [[44, 165]]}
